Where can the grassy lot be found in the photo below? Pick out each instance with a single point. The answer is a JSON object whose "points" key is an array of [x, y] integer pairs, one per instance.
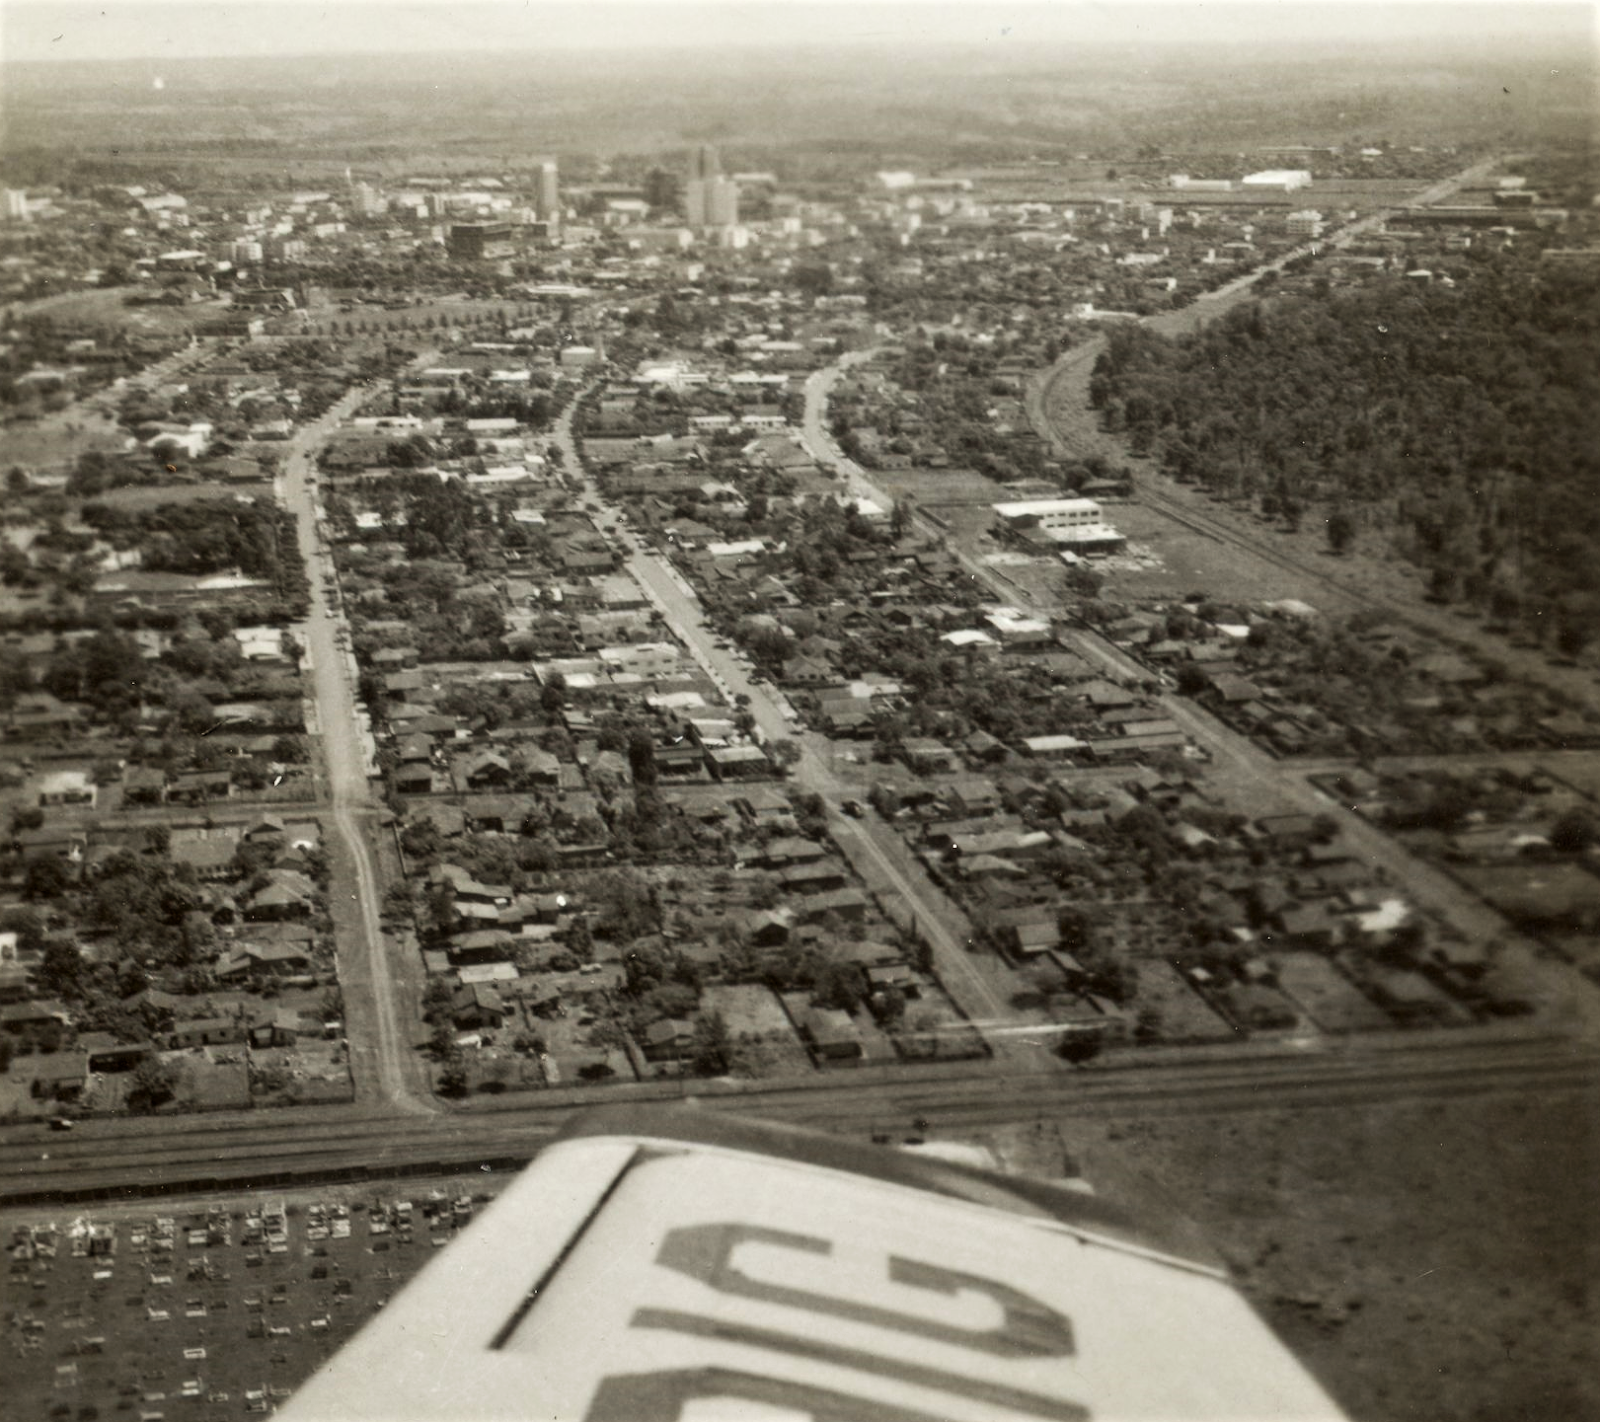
{"points": [[60, 438], [105, 307], [137, 498], [1427, 1261], [1176, 560]]}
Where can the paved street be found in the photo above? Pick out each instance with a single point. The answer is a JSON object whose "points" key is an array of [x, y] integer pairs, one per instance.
{"points": [[872, 846], [383, 1063]]}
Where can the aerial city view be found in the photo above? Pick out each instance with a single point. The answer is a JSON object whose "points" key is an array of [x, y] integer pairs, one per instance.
{"points": [[1013, 587]]}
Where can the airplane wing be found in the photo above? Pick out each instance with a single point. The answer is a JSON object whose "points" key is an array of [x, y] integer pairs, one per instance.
{"points": [[662, 1265]]}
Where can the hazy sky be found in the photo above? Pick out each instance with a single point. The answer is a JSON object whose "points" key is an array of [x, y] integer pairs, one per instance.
{"points": [[177, 29]]}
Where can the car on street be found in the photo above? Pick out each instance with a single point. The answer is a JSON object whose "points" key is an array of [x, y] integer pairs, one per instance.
{"points": [[852, 808]]}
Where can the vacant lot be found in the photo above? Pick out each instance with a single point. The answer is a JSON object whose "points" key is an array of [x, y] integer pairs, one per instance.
{"points": [[138, 498], [1177, 560], [1426, 1261]]}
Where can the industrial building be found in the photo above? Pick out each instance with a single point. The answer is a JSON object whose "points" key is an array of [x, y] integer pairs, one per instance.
{"points": [[1077, 523]]}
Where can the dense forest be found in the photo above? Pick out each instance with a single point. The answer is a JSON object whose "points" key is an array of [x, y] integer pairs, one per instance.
{"points": [[1465, 420]]}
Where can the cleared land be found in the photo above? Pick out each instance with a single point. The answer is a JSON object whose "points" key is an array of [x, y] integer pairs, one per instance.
{"points": [[1426, 1260]]}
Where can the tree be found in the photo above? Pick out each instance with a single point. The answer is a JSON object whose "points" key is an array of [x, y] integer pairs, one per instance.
{"points": [[61, 969], [1574, 832], [891, 1006], [47, 878], [1573, 634], [28, 924], [642, 757], [442, 1044], [152, 1084], [839, 985], [713, 1045], [1080, 1048], [1341, 531]]}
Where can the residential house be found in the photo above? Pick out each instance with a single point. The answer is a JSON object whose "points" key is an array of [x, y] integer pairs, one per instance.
{"points": [[22, 1017], [669, 1040], [67, 787], [817, 876], [848, 904], [207, 1032], [833, 1034], [107, 1054], [487, 770], [272, 960], [477, 1005], [279, 1027], [766, 805], [280, 900], [60, 1076], [927, 756]]}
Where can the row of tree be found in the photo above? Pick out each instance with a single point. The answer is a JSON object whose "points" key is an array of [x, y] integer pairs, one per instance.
{"points": [[1468, 417]]}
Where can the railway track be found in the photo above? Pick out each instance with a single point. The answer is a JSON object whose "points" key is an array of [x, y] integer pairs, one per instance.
{"points": [[238, 1156]]}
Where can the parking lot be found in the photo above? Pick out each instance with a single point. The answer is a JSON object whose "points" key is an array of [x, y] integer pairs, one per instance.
{"points": [[214, 1309]]}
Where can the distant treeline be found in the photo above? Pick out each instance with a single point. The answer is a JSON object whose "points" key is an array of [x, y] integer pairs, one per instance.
{"points": [[1470, 412]]}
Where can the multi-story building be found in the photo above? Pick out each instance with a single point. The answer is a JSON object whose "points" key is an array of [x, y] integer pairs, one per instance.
{"points": [[1306, 223], [712, 202], [479, 241], [367, 200], [704, 162], [547, 196], [1077, 523]]}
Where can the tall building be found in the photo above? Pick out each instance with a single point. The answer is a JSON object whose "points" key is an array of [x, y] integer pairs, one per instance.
{"points": [[1304, 224], [709, 199], [547, 198], [16, 204], [711, 202], [366, 199], [704, 163]]}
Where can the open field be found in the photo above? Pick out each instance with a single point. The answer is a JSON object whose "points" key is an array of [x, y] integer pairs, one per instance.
{"points": [[58, 439], [105, 306], [1175, 559], [1426, 1260]]}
